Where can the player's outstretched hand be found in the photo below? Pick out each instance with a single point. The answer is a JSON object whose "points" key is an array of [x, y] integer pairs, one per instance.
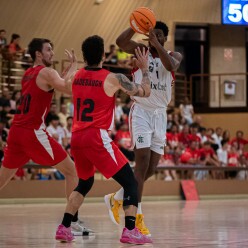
{"points": [[141, 59], [71, 56]]}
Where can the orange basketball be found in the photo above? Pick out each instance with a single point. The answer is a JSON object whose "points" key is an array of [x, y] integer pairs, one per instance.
{"points": [[142, 19]]}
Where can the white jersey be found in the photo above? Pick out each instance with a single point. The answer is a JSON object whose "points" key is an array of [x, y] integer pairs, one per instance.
{"points": [[161, 81]]}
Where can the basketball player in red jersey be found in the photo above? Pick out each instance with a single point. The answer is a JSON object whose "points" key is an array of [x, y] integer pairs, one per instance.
{"points": [[93, 92], [28, 138], [148, 119]]}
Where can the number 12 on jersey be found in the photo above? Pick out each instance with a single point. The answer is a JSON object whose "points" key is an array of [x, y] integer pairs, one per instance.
{"points": [[87, 107]]}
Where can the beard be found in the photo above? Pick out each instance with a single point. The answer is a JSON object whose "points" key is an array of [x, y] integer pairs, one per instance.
{"points": [[46, 63]]}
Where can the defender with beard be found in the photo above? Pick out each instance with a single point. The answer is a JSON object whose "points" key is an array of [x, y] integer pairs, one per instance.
{"points": [[147, 119], [28, 138]]}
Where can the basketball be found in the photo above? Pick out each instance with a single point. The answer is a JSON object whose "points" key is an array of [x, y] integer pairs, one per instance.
{"points": [[142, 19]]}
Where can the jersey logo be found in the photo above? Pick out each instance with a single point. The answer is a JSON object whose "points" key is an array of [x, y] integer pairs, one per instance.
{"points": [[140, 139], [151, 67], [158, 86]]}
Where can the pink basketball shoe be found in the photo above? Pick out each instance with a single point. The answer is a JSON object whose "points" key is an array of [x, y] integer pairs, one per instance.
{"points": [[64, 234], [134, 237]]}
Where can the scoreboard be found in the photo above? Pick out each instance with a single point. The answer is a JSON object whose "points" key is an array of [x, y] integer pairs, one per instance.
{"points": [[235, 12]]}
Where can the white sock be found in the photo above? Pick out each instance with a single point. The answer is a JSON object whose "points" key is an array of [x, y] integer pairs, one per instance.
{"points": [[119, 195], [139, 210]]}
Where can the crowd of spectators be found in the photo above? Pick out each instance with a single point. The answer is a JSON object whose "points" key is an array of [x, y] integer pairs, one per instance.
{"points": [[189, 143], [13, 49]]}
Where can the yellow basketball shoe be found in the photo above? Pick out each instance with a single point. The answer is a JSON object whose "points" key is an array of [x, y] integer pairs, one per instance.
{"points": [[140, 224], [113, 207]]}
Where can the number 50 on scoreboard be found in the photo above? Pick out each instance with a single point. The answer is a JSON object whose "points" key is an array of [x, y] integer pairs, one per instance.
{"points": [[235, 12]]}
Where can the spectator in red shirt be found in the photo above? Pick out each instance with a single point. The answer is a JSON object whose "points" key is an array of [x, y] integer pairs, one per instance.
{"points": [[246, 155], [173, 136], [208, 157], [168, 160], [14, 47], [190, 156], [195, 153], [233, 161], [123, 141], [193, 134], [183, 137], [233, 157], [239, 142]]}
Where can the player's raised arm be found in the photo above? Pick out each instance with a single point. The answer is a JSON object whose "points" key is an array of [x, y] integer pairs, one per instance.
{"points": [[121, 82], [53, 78], [125, 42], [172, 61]]}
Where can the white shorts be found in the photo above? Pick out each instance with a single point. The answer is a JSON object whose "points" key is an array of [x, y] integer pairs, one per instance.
{"points": [[148, 128]]}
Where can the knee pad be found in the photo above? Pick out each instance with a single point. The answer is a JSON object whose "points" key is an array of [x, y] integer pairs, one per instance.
{"points": [[84, 186], [131, 193]]}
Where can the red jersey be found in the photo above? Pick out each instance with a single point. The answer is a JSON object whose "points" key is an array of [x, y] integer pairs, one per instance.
{"points": [[233, 159], [184, 138], [168, 157], [246, 154], [34, 102], [203, 153], [194, 137], [239, 143], [173, 138], [93, 108], [124, 137], [194, 153]]}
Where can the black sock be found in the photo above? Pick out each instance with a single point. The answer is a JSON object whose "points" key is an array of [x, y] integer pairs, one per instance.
{"points": [[130, 222], [75, 217], [67, 219]]}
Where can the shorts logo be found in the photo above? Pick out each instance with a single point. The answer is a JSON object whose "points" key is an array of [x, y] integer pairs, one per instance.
{"points": [[127, 199], [161, 147], [140, 139]]}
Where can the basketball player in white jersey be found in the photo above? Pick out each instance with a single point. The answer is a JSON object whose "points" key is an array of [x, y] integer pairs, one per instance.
{"points": [[147, 119]]}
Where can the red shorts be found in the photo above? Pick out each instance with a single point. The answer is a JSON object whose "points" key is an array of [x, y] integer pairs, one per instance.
{"points": [[25, 144], [93, 149]]}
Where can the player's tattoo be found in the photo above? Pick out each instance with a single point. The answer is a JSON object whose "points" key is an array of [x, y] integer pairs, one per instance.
{"points": [[134, 89], [126, 83]]}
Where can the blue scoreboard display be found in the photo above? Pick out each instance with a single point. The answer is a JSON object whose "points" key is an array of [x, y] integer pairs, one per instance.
{"points": [[235, 12]]}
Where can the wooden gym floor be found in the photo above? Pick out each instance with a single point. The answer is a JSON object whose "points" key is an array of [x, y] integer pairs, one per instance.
{"points": [[173, 224]]}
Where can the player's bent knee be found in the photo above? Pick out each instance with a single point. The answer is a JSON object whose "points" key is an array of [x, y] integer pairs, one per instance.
{"points": [[84, 186]]}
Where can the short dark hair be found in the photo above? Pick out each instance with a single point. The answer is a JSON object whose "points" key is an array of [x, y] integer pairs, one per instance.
{"points": [[14, 37], [2, 30], [223, 142], [207, 143], [36, 45], [239, 131], [162, 26], [93, 50], [54, 118], [194, 125]]}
